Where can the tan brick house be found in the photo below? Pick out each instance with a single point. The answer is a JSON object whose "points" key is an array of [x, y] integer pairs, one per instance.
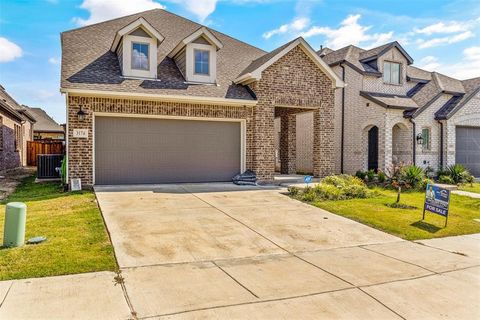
{"points": [[16, 128], [391, 112], [156, 98]]}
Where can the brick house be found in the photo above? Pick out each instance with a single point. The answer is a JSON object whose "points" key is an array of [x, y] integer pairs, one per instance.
{"points": [[16, 125], [45, 128], [391, 112], [153, 98]]}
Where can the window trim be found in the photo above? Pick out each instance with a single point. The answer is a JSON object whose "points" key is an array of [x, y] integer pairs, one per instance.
{"points": [[148, 55], [399, 73], [195, 62], [427, 142]]}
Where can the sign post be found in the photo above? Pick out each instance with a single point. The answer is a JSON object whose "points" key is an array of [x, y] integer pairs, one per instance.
{"points": [[437, 200]]}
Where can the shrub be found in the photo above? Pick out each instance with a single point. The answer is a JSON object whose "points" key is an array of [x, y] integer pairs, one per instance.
{"points": [[342, 180], [371, 175], [382, 177], [445, 179], [293, 191], [361, 174], [328, 192], [457, 172], [412, 175], [423, 184], [339, 187], [468, 178]]}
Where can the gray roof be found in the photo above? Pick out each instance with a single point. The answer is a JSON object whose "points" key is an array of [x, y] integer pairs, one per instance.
{"points": [[415, 73], [359, 58], [11, 106], [376, 52], [88, 63], [44, 122], [471, 86], [255, 64], [391, 101]]}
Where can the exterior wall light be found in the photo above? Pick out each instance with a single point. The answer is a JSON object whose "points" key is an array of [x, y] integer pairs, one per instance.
{"points": [[81, 114], [419, 139]]}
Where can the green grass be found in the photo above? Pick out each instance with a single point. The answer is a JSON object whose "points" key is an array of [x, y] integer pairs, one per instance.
{"points": [[475, 187], [77, 239], [407, 223]]}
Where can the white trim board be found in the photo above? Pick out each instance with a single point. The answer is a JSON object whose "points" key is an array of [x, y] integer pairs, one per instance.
{"points": [[159, 97]]}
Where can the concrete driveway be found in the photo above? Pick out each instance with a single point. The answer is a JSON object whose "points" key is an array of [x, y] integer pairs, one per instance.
{"points": [[201, 251]]}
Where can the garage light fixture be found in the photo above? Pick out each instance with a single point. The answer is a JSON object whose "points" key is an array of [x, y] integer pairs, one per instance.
{"points": [[81, 114]]}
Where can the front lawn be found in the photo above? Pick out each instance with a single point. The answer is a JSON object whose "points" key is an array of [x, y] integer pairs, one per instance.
{"points": [[77, 239], [474, 187], [407, 223]]}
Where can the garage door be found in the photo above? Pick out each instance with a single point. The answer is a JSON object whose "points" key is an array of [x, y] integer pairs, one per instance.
{"points": [[468, 148], [139, 150]]}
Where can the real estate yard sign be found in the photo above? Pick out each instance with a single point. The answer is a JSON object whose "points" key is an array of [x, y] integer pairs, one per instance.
{"points": [[437, 200]]}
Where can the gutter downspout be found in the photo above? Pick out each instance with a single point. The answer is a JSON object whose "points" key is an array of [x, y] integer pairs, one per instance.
{"points": [[343, 121], [441, 144], [414, 158]]}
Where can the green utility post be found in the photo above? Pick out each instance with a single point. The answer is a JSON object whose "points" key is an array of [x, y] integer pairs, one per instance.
{"points": [[15, 219]]}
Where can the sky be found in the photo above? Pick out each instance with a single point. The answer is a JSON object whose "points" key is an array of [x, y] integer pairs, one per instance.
{"points": [[440, 35]]}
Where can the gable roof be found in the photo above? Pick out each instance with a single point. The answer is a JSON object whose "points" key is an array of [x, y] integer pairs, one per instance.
{"points": [[472, 88], [88, 63], [11, 106], [139, 23], [360, 59], [44, 123], [201, 32], [254, 70], [376, 52]]}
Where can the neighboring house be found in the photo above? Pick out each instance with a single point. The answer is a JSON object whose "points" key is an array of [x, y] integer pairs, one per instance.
{"points": [[45, 128], [16, 125], [154, 98], [391, 112]]}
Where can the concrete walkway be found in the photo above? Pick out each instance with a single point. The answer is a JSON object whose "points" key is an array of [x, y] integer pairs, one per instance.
{"points": [[467, 193], [216, 251]]}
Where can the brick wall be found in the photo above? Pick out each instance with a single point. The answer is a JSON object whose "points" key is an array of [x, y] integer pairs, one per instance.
{"points": [[80, 151], [9, 157], [468, 115], [294, 80]]}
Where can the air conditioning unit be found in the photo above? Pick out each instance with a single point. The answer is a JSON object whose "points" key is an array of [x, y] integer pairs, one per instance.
{"points": [[47, 164]]}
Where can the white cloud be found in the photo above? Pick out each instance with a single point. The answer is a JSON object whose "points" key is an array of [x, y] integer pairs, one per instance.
{"points": [[9, 51], [101, 10], [297, 25], [200, 8], [466, 68], [423, 44], [441, 27], [54, 60], [349, 32], [429, 63]]}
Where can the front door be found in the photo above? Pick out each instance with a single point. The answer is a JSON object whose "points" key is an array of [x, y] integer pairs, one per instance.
{"points": [[373, 149]]}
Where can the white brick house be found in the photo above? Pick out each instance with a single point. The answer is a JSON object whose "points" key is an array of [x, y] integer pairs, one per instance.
{"points": [[388, 105]]}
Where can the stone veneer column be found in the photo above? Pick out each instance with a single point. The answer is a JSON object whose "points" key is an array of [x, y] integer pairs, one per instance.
{"points": [[288, 154]]}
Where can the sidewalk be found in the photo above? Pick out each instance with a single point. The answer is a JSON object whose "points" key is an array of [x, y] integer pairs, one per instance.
{"points": [[444, 283]]}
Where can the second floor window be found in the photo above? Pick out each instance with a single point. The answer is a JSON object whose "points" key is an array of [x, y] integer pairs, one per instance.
{"points": [[391, 72], [140, 56], [202, 62]]}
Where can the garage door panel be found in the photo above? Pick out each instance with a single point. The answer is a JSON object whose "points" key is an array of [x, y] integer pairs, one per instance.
{"points": [[136, 150], [467, 148]]}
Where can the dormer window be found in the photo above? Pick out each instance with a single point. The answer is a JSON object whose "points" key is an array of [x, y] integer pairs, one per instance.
{"points": [[391, 72], [140, 60], [136, 48], [202, 62], [196, 56]]}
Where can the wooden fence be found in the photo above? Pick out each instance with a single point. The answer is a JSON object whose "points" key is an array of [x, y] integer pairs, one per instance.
{"points": [[37, 147]]}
